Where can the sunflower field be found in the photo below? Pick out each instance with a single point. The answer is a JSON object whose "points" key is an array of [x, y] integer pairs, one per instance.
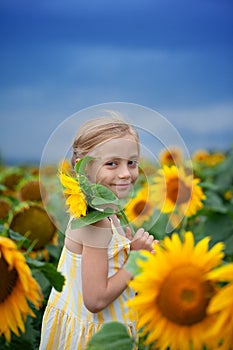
{"points": [[183, 290]]}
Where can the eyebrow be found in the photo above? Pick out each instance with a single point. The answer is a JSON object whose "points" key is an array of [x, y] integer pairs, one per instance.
{"points": [[112, 156]]}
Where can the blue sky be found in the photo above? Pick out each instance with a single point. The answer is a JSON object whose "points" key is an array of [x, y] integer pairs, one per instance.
{"points": [[59, 57]]}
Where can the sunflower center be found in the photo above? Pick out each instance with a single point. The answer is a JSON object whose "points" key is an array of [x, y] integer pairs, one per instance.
{"points": [[184, 296], [34, 220], [170, 158], [8, 279], [139, 207], [177, 191]]}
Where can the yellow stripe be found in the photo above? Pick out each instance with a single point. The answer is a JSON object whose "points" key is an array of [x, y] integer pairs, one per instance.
{"points": [[61, 260], [112, 312], [73, 276], [81, 337], [100, 317], [122, 307], [55, 299], [45, 319], [69, 287], [115, 262], [70, 335], [52, 333], [126, 254], [89, 316], [80, 302], [90, 333], [127, 291]]}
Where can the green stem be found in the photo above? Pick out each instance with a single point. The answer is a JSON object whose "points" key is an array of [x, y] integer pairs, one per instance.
{"points": [[126, 221]]}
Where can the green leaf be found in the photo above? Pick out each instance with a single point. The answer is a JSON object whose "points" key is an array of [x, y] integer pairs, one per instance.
{"points": [[220, 227], [214, 203], [131, 266], [158, 225], [229, 245], [112, 336], [90, 218], [209, 186], [54, 250], [50, 272], [85, 185], [80, 167], [104, 192], [43, 282], [15, 236]]}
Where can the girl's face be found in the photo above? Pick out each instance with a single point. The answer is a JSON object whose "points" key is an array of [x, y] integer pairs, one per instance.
{"points": [[116, 165]]}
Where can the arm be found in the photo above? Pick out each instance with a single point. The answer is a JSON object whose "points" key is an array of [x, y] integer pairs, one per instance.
{"points": [[99, 290]]}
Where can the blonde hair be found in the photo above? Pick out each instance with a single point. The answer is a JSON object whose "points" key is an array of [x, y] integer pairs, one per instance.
{"points": [[97, 131]]}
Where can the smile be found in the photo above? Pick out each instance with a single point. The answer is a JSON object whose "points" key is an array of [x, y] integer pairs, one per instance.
{"points": [[122, 185]]}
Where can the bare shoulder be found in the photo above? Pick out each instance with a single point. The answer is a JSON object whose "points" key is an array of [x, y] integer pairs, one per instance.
{"points": [[97, 235]]}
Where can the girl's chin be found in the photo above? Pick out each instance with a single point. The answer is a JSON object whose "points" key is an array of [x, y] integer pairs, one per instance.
{"points": [[122, 194]]}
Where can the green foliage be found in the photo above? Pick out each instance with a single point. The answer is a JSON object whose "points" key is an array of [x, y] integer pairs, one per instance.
{"points": [[92, 217], [112, 336], [28, 340], [50, 272]]}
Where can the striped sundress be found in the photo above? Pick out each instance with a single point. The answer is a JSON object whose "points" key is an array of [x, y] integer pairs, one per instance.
{"points": [[67, 323]]}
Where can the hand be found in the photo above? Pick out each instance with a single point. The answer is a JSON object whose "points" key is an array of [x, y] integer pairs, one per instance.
{"points": [[141, 240]]}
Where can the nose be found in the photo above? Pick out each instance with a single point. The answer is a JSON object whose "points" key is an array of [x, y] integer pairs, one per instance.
{"points": [[124, 172]]}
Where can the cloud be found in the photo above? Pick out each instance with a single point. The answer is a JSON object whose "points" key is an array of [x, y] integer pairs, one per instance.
{"points": [[211, 118]]}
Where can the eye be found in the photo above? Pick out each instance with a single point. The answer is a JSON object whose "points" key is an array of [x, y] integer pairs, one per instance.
{"points": [[133, 163], [111, 164]]}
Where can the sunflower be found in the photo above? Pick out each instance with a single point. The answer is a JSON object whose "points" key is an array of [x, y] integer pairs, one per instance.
{"points": [[215, 158], [140, 208], [173, 293], [10, 177], [172, 156], [200, 155], [177, 191], [75, 200], [31, 190], [5, 207], [209, 159], [222, 302], [17, 286], [32, 220]]}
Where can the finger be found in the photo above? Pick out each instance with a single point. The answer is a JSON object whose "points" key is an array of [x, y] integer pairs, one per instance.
{"points": [[128, 233], [150, 239], [139, 233], [146, 234]]}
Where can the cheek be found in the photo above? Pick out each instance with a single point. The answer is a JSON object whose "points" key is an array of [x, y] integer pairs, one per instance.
{"points": [[135, 175], [102, 177]]}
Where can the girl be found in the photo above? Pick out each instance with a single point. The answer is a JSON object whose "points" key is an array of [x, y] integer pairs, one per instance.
{"points": [[94, 256]]}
